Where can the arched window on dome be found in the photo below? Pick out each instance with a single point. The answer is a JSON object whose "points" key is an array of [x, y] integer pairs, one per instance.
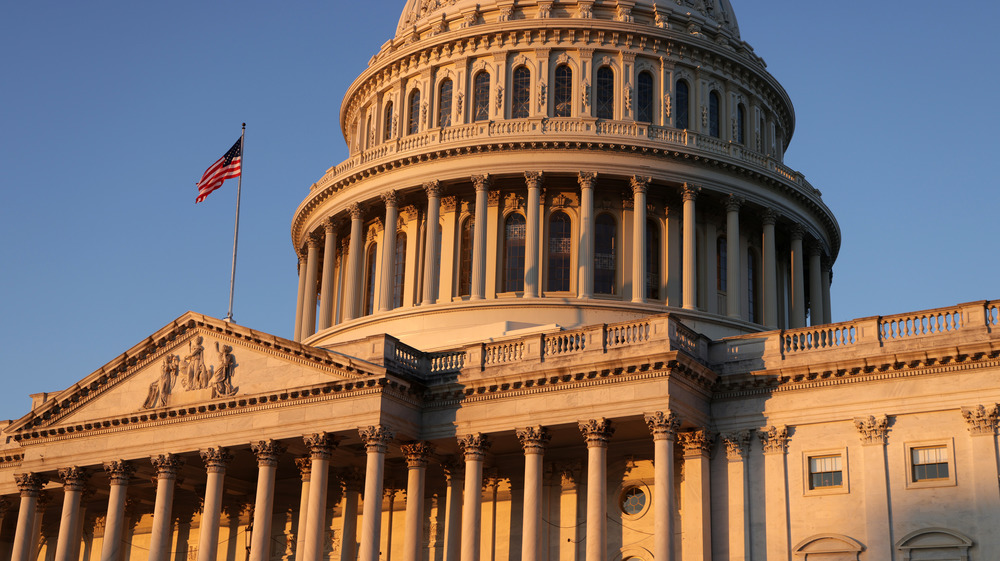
{"points": [[387, 123], [753, 287], [644, 97], [741, 124], [714, 116], [514, 232], [605, 98], [465, 257], [605, 258], [444, 104], [682, 106], [560, 246], [721, 271], [413, 123], [369, 292], [520, 95], [481, 97], [399, 270], [562, 97], [653, 259]]}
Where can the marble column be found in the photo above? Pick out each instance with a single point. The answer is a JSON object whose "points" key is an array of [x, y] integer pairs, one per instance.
{"points": [[696, 496], [355, 260], [474, 447], [597, 433], [817, 315], [774, 441], [376, 439], [874, 431], [532, 263], [321, 446], [328, 287], [734, 272], [305, 472], [119, 473], [431, 249], [416, 454], [798, 315], [639, 187], [737, 450], [827, 279], [585, 259], [351, 479], [769, 270], [453, 473], [74, 480], [689, 292], [298, 302], [664, 428], [215, 460], [309, 296], [166, 466], [267, 452], [30, 485], [482, 183], [387, 284], [533, 439]]}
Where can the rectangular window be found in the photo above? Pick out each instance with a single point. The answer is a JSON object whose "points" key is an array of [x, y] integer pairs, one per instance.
{"points": [[929, 463], [825, 472]]}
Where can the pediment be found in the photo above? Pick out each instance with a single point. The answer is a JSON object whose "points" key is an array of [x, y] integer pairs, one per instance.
{"points": [[195, 361]]}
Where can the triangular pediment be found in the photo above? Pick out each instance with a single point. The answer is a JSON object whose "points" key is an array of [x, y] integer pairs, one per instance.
{"points": [[194, 361]]}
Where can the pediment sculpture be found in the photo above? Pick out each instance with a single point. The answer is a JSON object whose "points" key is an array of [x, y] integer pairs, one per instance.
{"points": [[191, 374]]}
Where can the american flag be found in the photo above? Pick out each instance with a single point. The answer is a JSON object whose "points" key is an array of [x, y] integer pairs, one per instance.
{"points": [[226, 167]]}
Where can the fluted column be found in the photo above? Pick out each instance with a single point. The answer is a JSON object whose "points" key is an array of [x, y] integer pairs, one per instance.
{"points": [[355, 258], [74, 480], [798, 315], [30, 485], [664, 428], [309, 296], [737, 450], [431, 249], [416, 467], [351, 479], [376, 439], [639, 187], [267, 452], [734, 273], [533, 439], [769, 275], [474, 448], [696, 525], [482, 183], [689, 296], [328, 288], [215, 460], [453, 473], [532, 263], [166, 466], [305, 472], [597, 433], [386, 285], [585, 259], [817, 315], [321, 446], [119, 473], [297, 335]]}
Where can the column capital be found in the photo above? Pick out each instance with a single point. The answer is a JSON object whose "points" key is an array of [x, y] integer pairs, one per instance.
{"points": [[816, 248], [734, 203], [354, 209], [74, 478], [534, 179], [798, 232], [305, 468], [639, 184], [696, 442], [312, 241], [376, 437], [216, 459], [769, 217], [689, 191], [432, 188], [453, 469], [874, 430], [416, 454], [119, 471], [320, 445], [587, 179], [390, 198], [737, 445], [774, 439], [663, 425], [351, 478], [474, 446], [982, 419], [330, 225], [533, 439], [30, 484], [482, 182], [166, 465], [597, 432], [267, 452]]}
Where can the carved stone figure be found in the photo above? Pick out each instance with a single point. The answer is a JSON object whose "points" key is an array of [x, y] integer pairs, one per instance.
{"points": [[222, 383], [161, 387], [196, 375]]}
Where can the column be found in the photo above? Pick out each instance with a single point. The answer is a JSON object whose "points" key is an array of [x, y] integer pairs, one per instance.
{"points": [[305, 472], [737, 450], [774, 441], [482, 183], [672, 258], [817, 314], [798, 315], [533, 439], [734, 273], [431, 249], [416, 469], [309, 296], [474, 448], [30, 485], [267, 452], [769, 271], [355, 259], [387, 284], [453, 511], [982, 424], [597, 433], [166, 466], [639, 187], [827, 279], [119, 473], [321, 446], [585, 260], [74, 480], [376, 439], [873, 431], [328, 288], [689, 193], [532, 264], [696, 496], [351, 478], [664, 428], [215, 464], [298, 303]]}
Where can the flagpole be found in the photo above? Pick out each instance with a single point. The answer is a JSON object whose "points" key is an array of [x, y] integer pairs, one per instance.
{"points": [[236, 231]]}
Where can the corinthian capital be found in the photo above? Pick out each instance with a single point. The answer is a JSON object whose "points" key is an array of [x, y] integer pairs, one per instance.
{"points": [[533, 179], [874, 430], [416, 454], [166, 465], [774, 439], [389, 198], [696, 442], [74, 478], [474, 446], [376, 437], [587, 179], [597, 432], [663, 425], [216, 459], [30, 484], [432, 188], [737, 445], [354, 209], [689, 192], [482, 182], [982, 420], [533, 439], [734, 203], [119, 471], [267, 452], [639, 184], [320, 445]]}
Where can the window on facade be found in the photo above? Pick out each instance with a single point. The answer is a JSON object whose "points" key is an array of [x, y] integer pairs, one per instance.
{"points": [[465, 257], [370, 260], [520, 95], [605, 98], [825, 472], [752, 287], [652, 260], [444, 104], [713, 114], [399, 270], [721, 264], [681, 106], [741, 124], [563, 94], [644, 97], [481, 97], [513, 253], [413, 126], [605, 247], [560, 245], [387, 123], [633, 501], [929, 463]]}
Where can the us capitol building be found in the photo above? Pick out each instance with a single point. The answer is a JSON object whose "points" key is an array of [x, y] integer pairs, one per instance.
{"points": [[564, 301]]}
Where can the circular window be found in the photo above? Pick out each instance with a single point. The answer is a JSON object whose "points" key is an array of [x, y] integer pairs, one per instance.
{"points": [[633, 501]]}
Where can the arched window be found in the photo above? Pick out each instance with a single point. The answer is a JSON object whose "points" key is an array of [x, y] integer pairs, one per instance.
{"points": [[413, 126], [444, 104], [481, 97], [753, 288], [741, 124], [681, 107], [560, 246], [520, 94], [399, 270], [605, 102], [652, 260], [513, 253], [370, 260], [605, 248], [387, 123], [713, 114], [465, 257], [563, 95], [644, 97]]}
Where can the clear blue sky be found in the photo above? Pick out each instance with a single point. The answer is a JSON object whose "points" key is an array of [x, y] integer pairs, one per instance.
{"points": [[110, 111]]}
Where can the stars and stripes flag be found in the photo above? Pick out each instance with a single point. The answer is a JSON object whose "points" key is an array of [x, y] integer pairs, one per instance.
{"points": [[226, 167]]}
